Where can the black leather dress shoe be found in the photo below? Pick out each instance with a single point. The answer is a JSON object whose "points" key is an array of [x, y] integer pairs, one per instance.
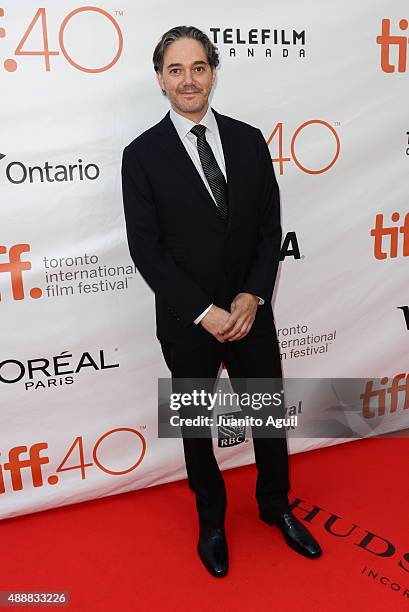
{"points": [[295, 534], [212, 549]]}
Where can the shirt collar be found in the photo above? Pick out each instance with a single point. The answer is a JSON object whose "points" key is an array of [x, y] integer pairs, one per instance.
{"points": [[184, 125]]}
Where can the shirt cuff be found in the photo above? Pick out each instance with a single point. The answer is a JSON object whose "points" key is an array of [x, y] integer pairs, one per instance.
{"points": [[200, 317], [260, 300]]}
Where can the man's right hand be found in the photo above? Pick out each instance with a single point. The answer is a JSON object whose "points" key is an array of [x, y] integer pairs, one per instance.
{"points": [[214, 320]]}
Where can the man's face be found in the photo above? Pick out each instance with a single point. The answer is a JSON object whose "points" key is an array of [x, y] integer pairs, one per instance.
{"points": [[187, 77]]}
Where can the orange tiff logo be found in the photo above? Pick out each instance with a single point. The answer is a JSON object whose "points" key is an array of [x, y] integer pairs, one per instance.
{"points": [[15, 267], [397, 389], [385, 40], [386, 238], [33, 461], [15, 464]]}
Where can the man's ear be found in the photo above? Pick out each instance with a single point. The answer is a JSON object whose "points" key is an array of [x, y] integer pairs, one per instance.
{"points": [[159, 79], [213, 75]]}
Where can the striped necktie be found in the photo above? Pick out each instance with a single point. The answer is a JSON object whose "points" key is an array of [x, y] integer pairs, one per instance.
{"points": [[211, 169]]}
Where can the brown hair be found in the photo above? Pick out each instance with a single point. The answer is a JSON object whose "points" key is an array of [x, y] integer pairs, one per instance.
{"points": [[184, 32]]}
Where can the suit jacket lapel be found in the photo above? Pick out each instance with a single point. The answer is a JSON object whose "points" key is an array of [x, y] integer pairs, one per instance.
{"points": [[180, 158], [178, 155]]}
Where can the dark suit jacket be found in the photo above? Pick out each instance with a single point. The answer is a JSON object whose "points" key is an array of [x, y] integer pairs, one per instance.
{"points": [[183, 249]]}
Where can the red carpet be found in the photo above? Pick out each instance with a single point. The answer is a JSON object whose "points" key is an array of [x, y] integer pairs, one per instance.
{"points": [[137, 551]]}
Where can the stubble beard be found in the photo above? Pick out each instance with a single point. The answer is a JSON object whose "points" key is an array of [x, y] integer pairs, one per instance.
{"points": [[192, 107]]}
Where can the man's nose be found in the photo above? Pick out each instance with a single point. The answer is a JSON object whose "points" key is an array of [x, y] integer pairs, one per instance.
{"points": [[188, 77]]}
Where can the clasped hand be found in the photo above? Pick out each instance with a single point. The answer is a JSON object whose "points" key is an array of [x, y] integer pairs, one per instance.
{"points": [[233, 325]]}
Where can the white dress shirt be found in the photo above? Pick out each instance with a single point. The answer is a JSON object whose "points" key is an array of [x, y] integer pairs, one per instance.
{"points": [[189, 140], [183, 127]]}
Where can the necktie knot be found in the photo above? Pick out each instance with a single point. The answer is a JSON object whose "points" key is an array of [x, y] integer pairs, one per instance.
{"points": [[198, 130]]}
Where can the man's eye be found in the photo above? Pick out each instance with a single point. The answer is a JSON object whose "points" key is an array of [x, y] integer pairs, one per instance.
{"points": [[200, 68], [174, 70]]}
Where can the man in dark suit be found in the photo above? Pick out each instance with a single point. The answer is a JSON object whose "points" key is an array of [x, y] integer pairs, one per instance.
{"points": [[202, 216]]}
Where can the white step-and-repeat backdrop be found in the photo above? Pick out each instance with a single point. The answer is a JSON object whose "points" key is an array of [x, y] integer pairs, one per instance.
{"points": [[327, 83]]}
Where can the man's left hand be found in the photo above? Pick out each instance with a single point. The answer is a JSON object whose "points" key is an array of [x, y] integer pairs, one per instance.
{"points": [[242, 314]]}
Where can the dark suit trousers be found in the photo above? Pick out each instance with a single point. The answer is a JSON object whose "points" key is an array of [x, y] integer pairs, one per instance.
{"points": [[251, 357]]}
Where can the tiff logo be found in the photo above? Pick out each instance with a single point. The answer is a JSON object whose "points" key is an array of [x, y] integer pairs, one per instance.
{"points": [[15, 267], [391, 233], [385, 40], [15, 464], [399, 386]]}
